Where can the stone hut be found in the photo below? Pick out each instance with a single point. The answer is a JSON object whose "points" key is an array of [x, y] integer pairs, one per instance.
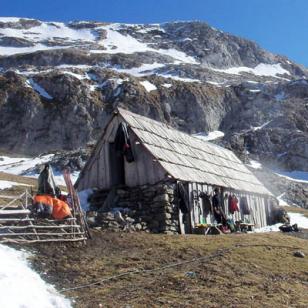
{"points": [[157, 177]]}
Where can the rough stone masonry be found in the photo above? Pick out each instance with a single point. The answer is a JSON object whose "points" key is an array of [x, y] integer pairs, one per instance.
{"points": [[149, 208]]}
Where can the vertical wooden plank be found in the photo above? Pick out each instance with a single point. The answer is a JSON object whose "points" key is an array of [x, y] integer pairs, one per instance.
{"points": [[191, 206]]}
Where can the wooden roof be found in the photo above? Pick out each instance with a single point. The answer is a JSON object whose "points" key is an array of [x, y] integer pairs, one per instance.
{"points": [[190, 159]]}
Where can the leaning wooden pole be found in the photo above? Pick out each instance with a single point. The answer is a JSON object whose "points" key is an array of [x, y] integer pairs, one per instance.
{"points": [[76, 202]]}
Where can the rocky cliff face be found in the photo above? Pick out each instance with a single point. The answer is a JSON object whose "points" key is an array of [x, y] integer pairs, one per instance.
{"points": [[59, 82]]}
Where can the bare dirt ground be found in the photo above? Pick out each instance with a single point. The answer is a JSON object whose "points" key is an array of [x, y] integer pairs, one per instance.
{"points": [[239, 270]]}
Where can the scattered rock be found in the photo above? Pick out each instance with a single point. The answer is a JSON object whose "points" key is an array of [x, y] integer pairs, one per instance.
{"points": [[299, 254]]}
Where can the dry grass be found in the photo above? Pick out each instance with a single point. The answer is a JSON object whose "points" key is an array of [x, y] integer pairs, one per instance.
{"points": [[253, 270]]}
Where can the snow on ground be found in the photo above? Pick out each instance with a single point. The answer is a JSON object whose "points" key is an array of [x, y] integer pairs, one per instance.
{"points": [[175, 77], [36, 87], [19, 166], [219, 84], [59, 177], [115, 42], [209, 136], [49, 31], [83, 197], [9, 184], [148, 85], [254, 164], [22, 287], [261, 126], [272, 228], [77, 76], [8, 51], [295, 218], [299, 219], [143, 70], [281, 201], [167, 85], [262, 69]]}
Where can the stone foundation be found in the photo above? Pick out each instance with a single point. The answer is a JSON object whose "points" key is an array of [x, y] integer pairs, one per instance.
{"points": [[149, 208]]}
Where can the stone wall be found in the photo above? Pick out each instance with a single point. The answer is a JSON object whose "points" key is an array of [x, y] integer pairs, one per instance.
{"points": [[149, 208]]}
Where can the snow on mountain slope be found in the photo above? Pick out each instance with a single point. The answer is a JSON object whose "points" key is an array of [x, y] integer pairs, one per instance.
{"points": [[261, 69], [22, 287], [210, 135], [177, 44]]}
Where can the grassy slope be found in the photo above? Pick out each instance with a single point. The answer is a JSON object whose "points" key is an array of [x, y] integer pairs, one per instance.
{"points": [[259, 270]]}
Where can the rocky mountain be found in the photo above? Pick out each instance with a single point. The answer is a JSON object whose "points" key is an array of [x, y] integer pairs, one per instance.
{"points": [[59, 82]]}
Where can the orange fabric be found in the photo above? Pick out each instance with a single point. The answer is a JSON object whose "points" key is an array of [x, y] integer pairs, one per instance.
{"points": [[60, 209], [45, 199]]}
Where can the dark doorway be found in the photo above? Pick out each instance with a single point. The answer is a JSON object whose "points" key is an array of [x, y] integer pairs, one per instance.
{"points": [[117, 170]]}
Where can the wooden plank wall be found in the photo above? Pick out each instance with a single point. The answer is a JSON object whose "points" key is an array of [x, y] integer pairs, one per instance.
{"points": [[144, 170], [258, 205], [97, 173]]}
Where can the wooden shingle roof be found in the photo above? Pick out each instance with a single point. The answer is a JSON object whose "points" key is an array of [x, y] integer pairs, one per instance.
{"points": [[190, 159]]}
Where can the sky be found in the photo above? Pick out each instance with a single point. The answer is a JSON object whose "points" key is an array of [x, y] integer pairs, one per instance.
{"points": [[279, 26]]}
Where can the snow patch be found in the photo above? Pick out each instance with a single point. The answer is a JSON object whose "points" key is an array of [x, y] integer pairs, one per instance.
{"points": [[281, 202], [143, 70], [49, 31], [148, 86], [22, 287], [83, 197], [295, 218], [299, 219], [261, 126], [10, 184], [37, 88], [115, 42], [261, 69], [175, 77], [167, 85], [8, 51], [254, 164], [20, 166], [78, 76], [216, 134]]}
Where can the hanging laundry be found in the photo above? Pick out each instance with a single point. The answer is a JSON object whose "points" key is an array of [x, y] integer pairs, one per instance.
{"points": [[233, 204], [219, 214], [206, 203], [122, 143], [244, 206], [183, 200]]}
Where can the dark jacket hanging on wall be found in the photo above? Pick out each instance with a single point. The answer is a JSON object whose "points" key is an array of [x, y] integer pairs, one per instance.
{"points": [[183, 200], [219, 214], [244, 206], [122, 143], [206, 203]]}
